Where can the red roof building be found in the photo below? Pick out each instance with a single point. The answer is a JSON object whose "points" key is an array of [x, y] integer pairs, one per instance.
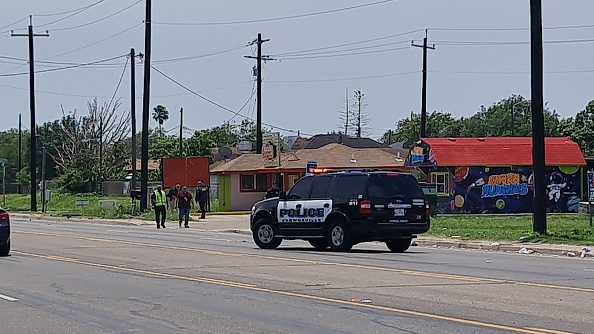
{"points": [[494, 175], [503, 151]]}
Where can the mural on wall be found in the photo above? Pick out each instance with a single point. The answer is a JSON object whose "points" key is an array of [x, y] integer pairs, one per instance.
{"points": [[509, 189]]}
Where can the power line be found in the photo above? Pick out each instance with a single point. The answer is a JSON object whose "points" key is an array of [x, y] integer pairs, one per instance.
{"points": [[63, 68], [214, 53], [351, 43], [343, 50], [276, 18], [344, 79], [94, 43], [344, 54], [118, 86], [497, 43], [99, 20], [514, 28], [246, 102], [74, 13], [70, 11], [216, 104], [14, 23]]}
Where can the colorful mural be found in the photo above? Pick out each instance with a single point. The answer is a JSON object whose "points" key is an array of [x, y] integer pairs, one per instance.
{"points": [[509, 189]]}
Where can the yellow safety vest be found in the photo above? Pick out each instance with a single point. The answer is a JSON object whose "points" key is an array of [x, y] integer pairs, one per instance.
{"points": [[160, 198]]}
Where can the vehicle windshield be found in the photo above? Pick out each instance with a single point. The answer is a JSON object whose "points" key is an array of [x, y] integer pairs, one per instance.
{"points": [[394, 186]]}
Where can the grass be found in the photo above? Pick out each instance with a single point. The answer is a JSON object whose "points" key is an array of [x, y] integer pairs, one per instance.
{"points": [[570, 229]]}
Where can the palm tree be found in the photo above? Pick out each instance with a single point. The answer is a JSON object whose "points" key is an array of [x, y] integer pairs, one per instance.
{"points": [[160, 114]]}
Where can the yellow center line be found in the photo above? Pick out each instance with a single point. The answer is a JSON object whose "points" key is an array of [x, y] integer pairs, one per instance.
{"points": [[549, 331], [292, 294], [318, 262]]}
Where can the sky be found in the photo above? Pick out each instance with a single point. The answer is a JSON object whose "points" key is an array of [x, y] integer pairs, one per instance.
{"points": [[321, 52]]}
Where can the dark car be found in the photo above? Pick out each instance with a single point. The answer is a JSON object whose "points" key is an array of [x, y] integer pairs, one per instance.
{"points": [[339, 210], [4, 233]]}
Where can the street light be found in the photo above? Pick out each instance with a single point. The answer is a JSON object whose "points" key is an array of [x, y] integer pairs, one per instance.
{"points": [[513, 113]]}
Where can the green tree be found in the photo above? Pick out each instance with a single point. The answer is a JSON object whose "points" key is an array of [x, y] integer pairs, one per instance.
{"points": [[160, 114], [581, 129], [9, 151]]}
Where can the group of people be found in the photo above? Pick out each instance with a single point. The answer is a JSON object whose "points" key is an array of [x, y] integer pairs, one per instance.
{"points": [[181, 199]]}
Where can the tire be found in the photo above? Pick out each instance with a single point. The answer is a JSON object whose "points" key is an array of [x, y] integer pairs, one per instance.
{"points": [[398, 245], [339, 237], [5, 250], [263, 234], [319, 244]]}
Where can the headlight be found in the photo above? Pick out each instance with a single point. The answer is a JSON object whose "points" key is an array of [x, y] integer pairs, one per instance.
{"points": [[253, 209]]}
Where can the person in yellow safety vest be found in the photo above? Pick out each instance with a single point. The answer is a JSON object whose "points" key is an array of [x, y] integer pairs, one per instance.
{"points": [[159, 201]]}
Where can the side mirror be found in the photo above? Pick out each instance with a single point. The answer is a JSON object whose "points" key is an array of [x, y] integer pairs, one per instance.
{"points": [[282, 195]]}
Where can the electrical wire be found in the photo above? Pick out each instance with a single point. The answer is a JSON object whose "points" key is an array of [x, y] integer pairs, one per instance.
{"points": [[70, 11], [342, 55], [119, 83], [343, 50], [246, 102], [277, 18], [497, 43], [94, 43], [63, 68], [217, 104], [513, 28], [214, 53], [99, 20], [10, 25], [74, 13], [349, 44], [345, 79]]}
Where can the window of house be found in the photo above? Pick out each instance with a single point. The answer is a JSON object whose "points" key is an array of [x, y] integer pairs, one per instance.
{"points": [[253, 182], [441, 182]]}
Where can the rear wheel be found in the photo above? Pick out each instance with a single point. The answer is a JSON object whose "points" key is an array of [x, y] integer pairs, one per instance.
{"points": [[5, 249], [398, 245], [339, 236], [263, 234], [319, 244]]}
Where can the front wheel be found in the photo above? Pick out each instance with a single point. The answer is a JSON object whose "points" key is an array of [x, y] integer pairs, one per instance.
{"points": [[263, 234], [339, 236], [399, 245]]}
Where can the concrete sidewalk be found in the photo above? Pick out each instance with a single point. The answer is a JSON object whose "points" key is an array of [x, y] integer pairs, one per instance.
{"points": [[239, 223]]}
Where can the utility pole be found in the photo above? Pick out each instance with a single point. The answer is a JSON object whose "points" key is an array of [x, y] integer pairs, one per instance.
{"points": [[20, 163], [101, 155], [133, 114], [33, 144], [145, 109], [43, 183], [346, 103], [424, 93], [358, 96], [259, 41], [538, 135], [181, 129]]}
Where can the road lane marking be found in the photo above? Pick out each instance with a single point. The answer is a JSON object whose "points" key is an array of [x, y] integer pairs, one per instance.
{"points": [[8, 298], [548, 331], [321, 262], [290, 294]]}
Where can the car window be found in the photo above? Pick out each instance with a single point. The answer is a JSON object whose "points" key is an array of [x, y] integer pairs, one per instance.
{"points": [[301, 188], [391, 185], [350, 186], [320, 186]]}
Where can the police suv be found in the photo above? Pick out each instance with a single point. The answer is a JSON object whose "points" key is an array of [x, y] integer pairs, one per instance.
{"points": [[340, 209]]}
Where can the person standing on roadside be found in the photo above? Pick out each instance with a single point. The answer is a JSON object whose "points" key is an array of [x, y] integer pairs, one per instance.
{"points": [[159, 201], [184, 205], [172, 197], [202, 198]]}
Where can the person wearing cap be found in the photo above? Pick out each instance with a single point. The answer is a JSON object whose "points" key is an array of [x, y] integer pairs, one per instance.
{"points": [[273, 191], [202, 198], [172, 197], [184, 205], [159, 201]]}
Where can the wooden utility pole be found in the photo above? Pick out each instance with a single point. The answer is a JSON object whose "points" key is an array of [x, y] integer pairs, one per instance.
{"points": [[33, 144], [259, 58], [538, 133], [145, 109], [133, 114], [423, 131]]}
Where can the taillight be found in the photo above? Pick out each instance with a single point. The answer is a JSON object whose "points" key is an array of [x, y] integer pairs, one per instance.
{"points": [[365, 207], [427, 208], [4, 216]]}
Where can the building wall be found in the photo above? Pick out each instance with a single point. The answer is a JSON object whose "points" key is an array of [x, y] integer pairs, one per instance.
{"points": [[242, 201], [507, 189]]}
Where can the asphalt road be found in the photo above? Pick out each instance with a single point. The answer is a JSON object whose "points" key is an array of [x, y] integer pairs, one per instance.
{"points": [[72, 277]]}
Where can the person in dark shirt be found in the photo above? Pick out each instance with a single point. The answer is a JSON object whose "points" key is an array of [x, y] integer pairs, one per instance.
{"points": [[274, 191], [184, 205], [172, 197], [202, 198]]}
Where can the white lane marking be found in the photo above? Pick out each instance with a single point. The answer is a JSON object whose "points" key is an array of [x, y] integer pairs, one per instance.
{"points": [[10, 299]]}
